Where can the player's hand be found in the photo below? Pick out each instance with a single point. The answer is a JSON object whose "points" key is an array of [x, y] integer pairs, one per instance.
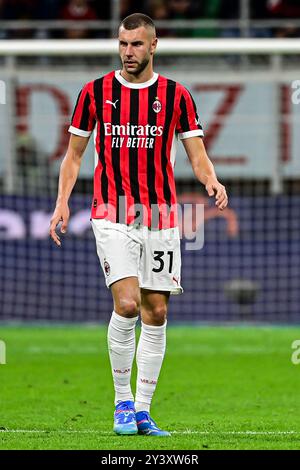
{"points": [[61, 214], [213, 186]]}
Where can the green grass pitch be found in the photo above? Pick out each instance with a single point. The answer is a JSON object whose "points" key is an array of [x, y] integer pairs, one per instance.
{"points": [[220, 388]]}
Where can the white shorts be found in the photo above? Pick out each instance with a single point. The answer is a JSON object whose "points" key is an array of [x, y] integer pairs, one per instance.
{"points": [[151, 256]]}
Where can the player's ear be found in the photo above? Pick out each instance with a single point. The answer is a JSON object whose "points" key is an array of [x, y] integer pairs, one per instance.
{"points": [[153, 45]]}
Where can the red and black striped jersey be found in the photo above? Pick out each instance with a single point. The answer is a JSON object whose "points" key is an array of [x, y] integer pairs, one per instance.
{"points": [[136, 126]]}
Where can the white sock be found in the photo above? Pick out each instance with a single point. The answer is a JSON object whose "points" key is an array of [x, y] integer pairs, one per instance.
{"points": [[121, 346], [149, 357]]}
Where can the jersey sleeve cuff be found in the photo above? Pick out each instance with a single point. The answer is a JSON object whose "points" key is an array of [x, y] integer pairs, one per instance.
{"points": [[186, 135], [80, 132]]}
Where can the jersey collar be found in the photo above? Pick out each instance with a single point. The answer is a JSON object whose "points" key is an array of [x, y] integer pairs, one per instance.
{"points": [[135, 85]]}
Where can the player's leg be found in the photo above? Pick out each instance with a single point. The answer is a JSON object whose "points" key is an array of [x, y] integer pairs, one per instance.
{"points": [[121, 345], [119, 256], [150, 355], [121, 335], [159, 275]]}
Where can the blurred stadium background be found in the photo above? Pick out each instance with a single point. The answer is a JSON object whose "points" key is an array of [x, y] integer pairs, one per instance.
{"points": [[239, 58]]}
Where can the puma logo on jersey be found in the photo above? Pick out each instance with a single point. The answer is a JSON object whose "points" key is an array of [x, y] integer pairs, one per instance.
{"points": [[112, 103]]}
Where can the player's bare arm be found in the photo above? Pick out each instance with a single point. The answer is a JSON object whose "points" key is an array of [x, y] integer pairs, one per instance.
{"points": [[204, 170], [67, 178]]}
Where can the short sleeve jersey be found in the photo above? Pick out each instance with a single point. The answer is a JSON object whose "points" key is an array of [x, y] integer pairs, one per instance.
{"points": [[136, 127]]}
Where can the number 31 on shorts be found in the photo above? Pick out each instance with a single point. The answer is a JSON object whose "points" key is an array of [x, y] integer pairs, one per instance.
{"points": [[164, 259]]}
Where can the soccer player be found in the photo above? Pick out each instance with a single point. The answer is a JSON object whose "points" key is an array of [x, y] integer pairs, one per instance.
{"points": [[137, 115]]}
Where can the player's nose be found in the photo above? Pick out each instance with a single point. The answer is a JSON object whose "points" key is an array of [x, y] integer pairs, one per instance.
{"points": [[128, 51]]}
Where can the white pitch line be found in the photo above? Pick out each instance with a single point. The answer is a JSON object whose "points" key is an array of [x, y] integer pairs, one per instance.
{"points": [[93, 431], [264, 433]]}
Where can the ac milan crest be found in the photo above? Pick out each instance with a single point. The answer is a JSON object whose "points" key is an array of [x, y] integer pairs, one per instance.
{"points": [[156, 105], [106, 268]]}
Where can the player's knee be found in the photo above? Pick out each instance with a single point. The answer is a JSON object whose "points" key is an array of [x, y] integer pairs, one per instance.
{"points": [[128, 307], [159, 314]]}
